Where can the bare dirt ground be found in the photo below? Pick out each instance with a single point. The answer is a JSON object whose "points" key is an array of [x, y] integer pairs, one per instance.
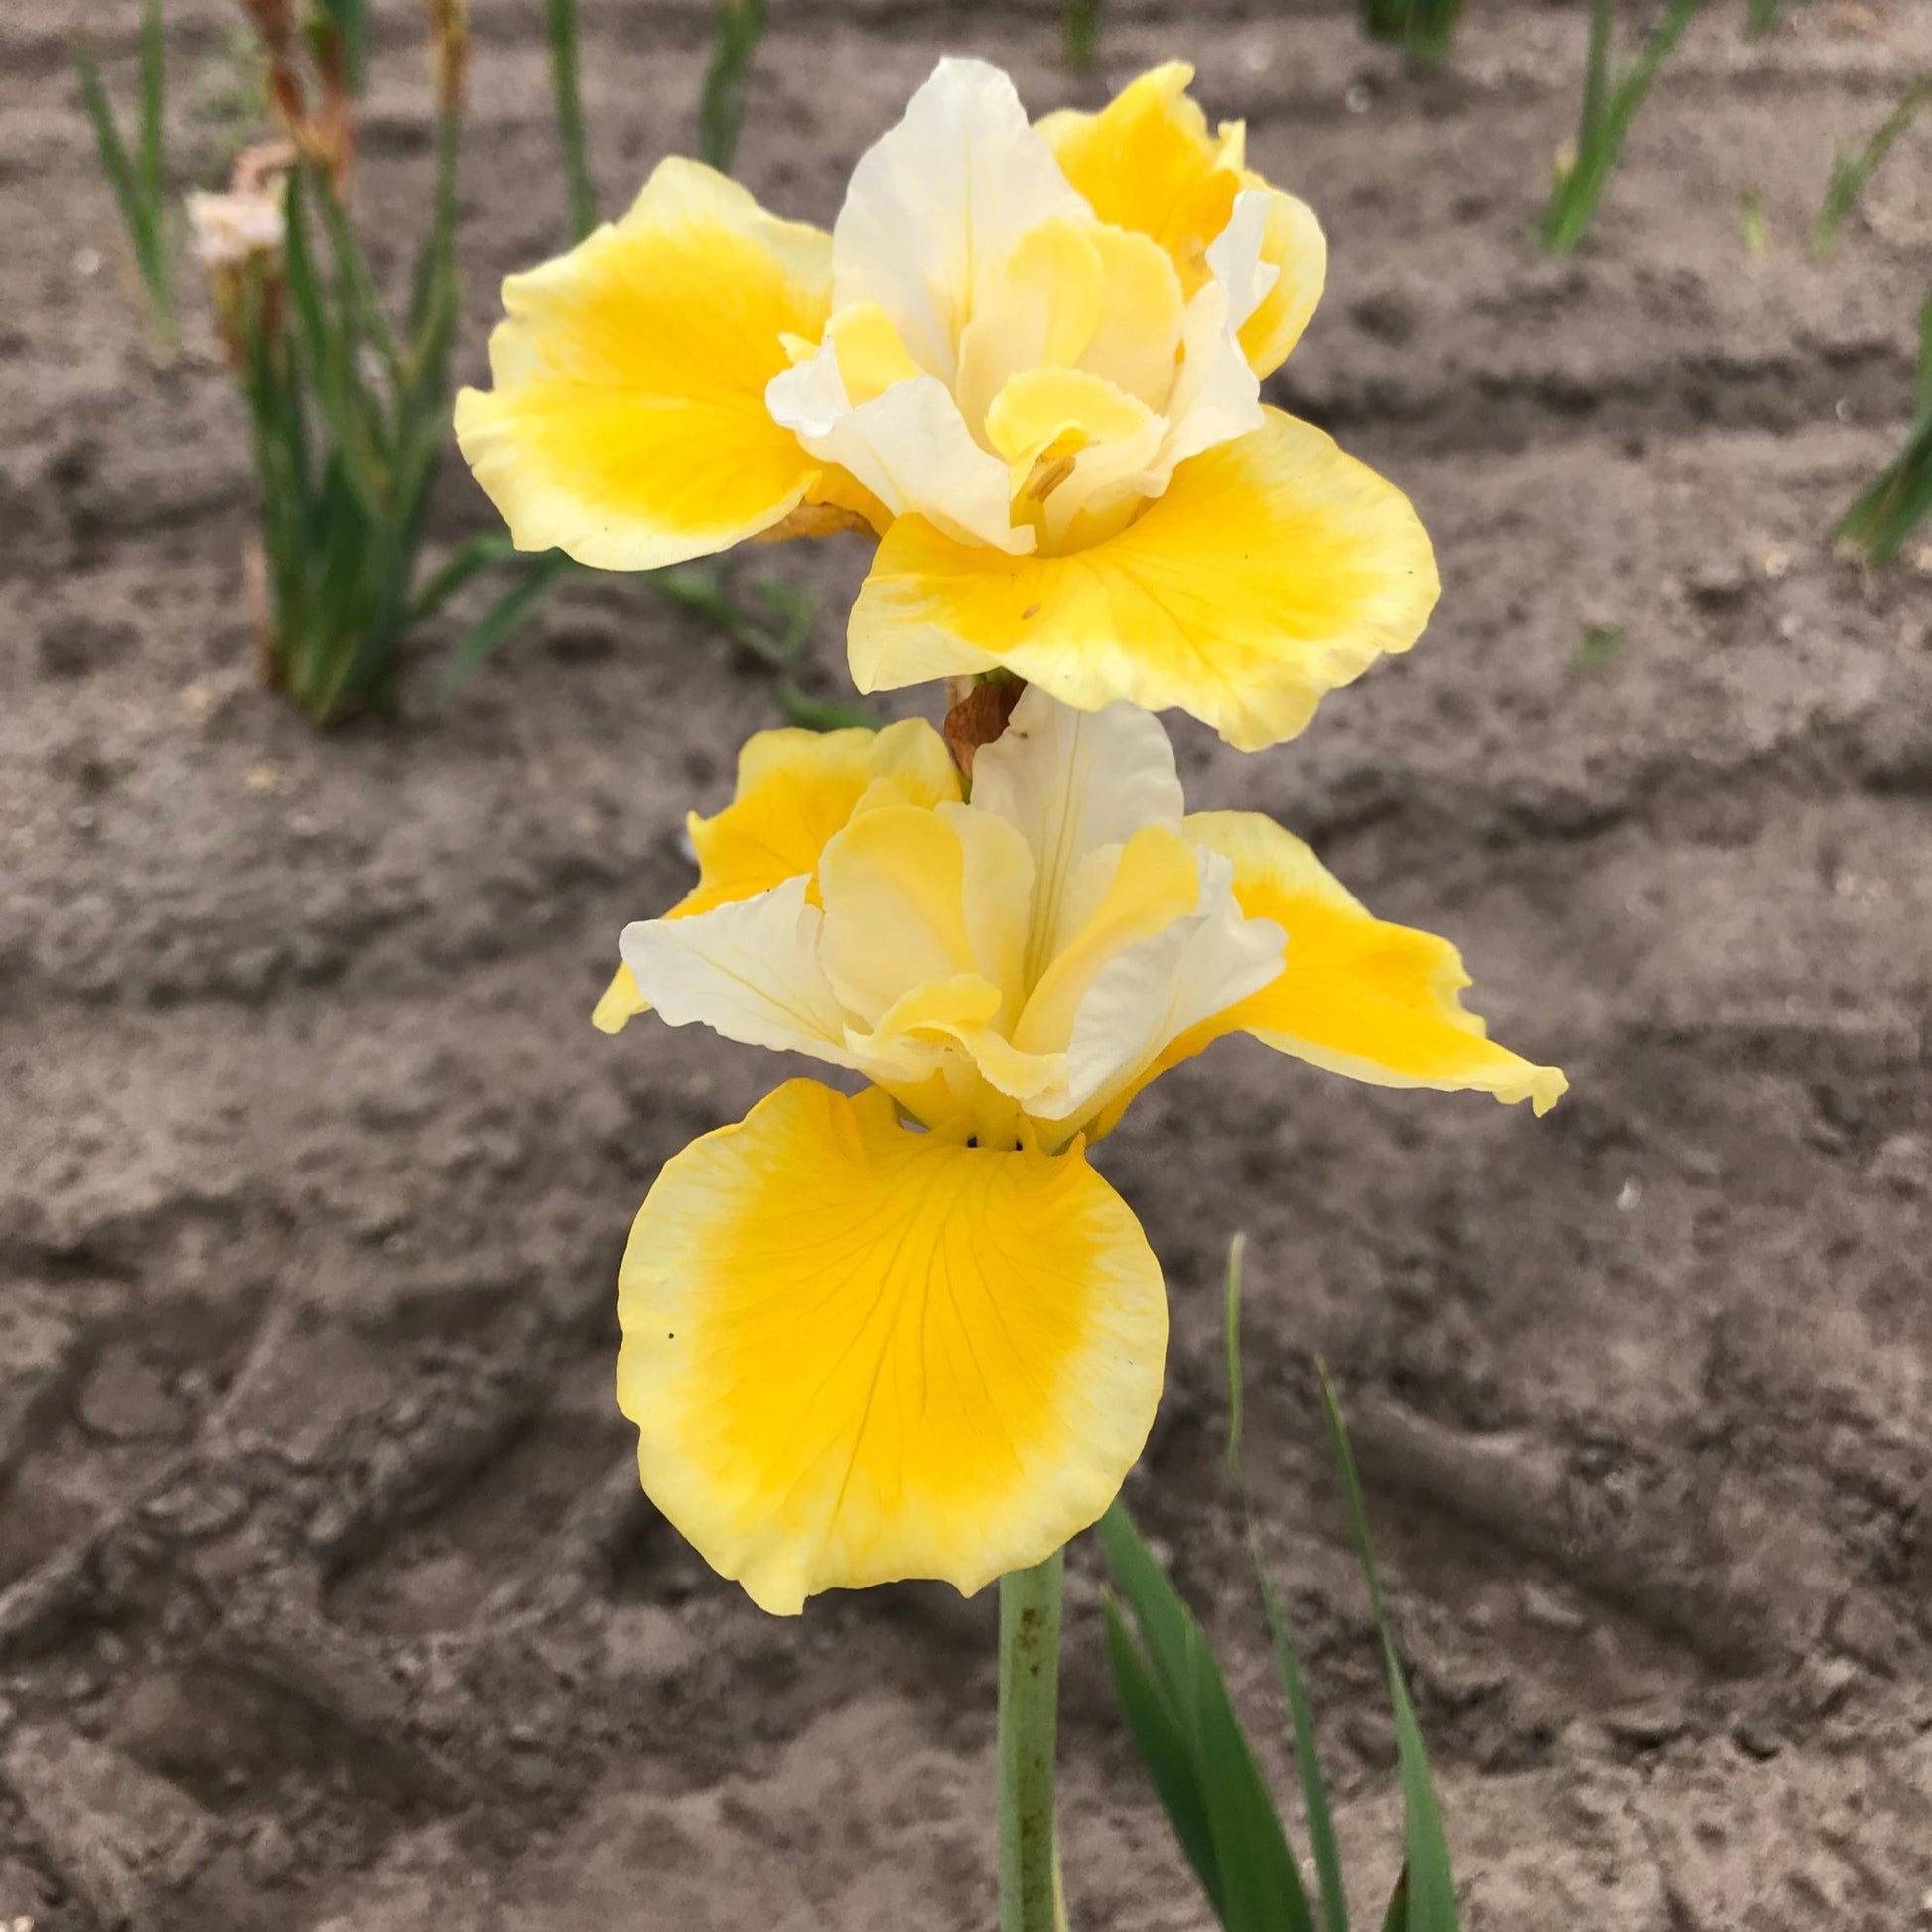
{"points": [[326, 1597]]}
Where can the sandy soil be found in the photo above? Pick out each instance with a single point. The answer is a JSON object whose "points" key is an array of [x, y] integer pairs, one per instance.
{"points": [[327, 1598]]}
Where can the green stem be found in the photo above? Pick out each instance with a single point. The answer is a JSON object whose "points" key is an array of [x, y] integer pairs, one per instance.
{"points": [[1030, 1683]]}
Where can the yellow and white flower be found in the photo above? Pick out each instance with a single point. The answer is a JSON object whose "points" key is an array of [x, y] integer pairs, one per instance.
{"points": [[914, 1333], [1027, 357]]}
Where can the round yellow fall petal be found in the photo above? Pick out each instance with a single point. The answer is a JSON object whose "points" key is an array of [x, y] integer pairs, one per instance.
{"points": [[856, 1354], [628, 424], [1356, 995], [1275, 569]]}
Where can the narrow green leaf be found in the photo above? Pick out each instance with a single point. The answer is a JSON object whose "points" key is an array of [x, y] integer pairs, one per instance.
{"points": [[1231, 1324], [1430, 1887], [1259, 1886], [1080, 33], [154, 99], [1396, 1918], [477, 553], [1163, 1748], [721, 110], [1308, 1760], [1853, 168], [501, 620], [1604, 121], [822, 714], [562, 16]]}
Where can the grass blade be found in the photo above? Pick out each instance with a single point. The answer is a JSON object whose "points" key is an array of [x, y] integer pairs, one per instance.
{"points": [[564, 78], [1080, 33], [480, 641], [1307, 1762], [721, 110], [1164, 1750], [136, 179], [1256, 1887], [1430, 1886], [479, 553], [1604, 121], [822, 714], [1853, 168], [1231, 1322]]}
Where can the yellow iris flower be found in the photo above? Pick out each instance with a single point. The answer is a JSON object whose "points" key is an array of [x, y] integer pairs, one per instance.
{"points": [[914, 1333], [1028, 358]]}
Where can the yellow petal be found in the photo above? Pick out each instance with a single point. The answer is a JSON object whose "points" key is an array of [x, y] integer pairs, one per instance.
{"points": [[1046, 414], [627, 425], [1148, 161], [1356, 995], [620, 1003], [1274, 569], [914, 895], [1294, 246], [871, 355], [856, 1354], [798, 789]]}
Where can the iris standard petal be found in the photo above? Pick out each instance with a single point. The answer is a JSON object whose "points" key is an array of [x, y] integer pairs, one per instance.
{"points": [[1275, 569], [1073, 782], [936, 203], [856, 1354], [1149, 162], [628, 422]]}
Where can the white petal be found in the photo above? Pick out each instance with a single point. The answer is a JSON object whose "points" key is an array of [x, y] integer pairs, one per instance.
{"points": [[1216, 395], [1073, 781], [910, 446], [937, 201], [1153, 992], [1234, 256], [749, 971]]}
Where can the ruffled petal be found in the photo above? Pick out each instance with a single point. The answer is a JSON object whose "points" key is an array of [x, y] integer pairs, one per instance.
{"points": [[936, 204], [1356, 995], [1149, 162], [747, 970], [856, 1353], [1275, 569], [796, 790], [1073, 784], [628, 424]]}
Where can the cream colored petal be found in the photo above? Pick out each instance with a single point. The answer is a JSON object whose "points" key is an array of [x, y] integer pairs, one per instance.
{"points": [[908, 446], [937, 203], [1152, 994], [749, 970], [1073, 781]]}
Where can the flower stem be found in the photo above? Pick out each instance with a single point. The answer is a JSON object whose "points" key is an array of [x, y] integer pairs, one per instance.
{"points": [[1030, 1683]]}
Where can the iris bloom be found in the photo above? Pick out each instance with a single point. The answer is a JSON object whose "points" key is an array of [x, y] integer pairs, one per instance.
{"points": [[914, 1333], [1028, 358]]}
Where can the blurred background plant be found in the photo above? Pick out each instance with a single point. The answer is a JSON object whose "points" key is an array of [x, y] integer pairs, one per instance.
{"points": [[1609, 106], [1853, 168], [1198, 1756], [1423, 29], [1080, 32], [720, 107], [138, 174], [1899, 499]]}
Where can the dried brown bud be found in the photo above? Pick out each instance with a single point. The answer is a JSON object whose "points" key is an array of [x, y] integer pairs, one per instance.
{"points": [[979, 715]]}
